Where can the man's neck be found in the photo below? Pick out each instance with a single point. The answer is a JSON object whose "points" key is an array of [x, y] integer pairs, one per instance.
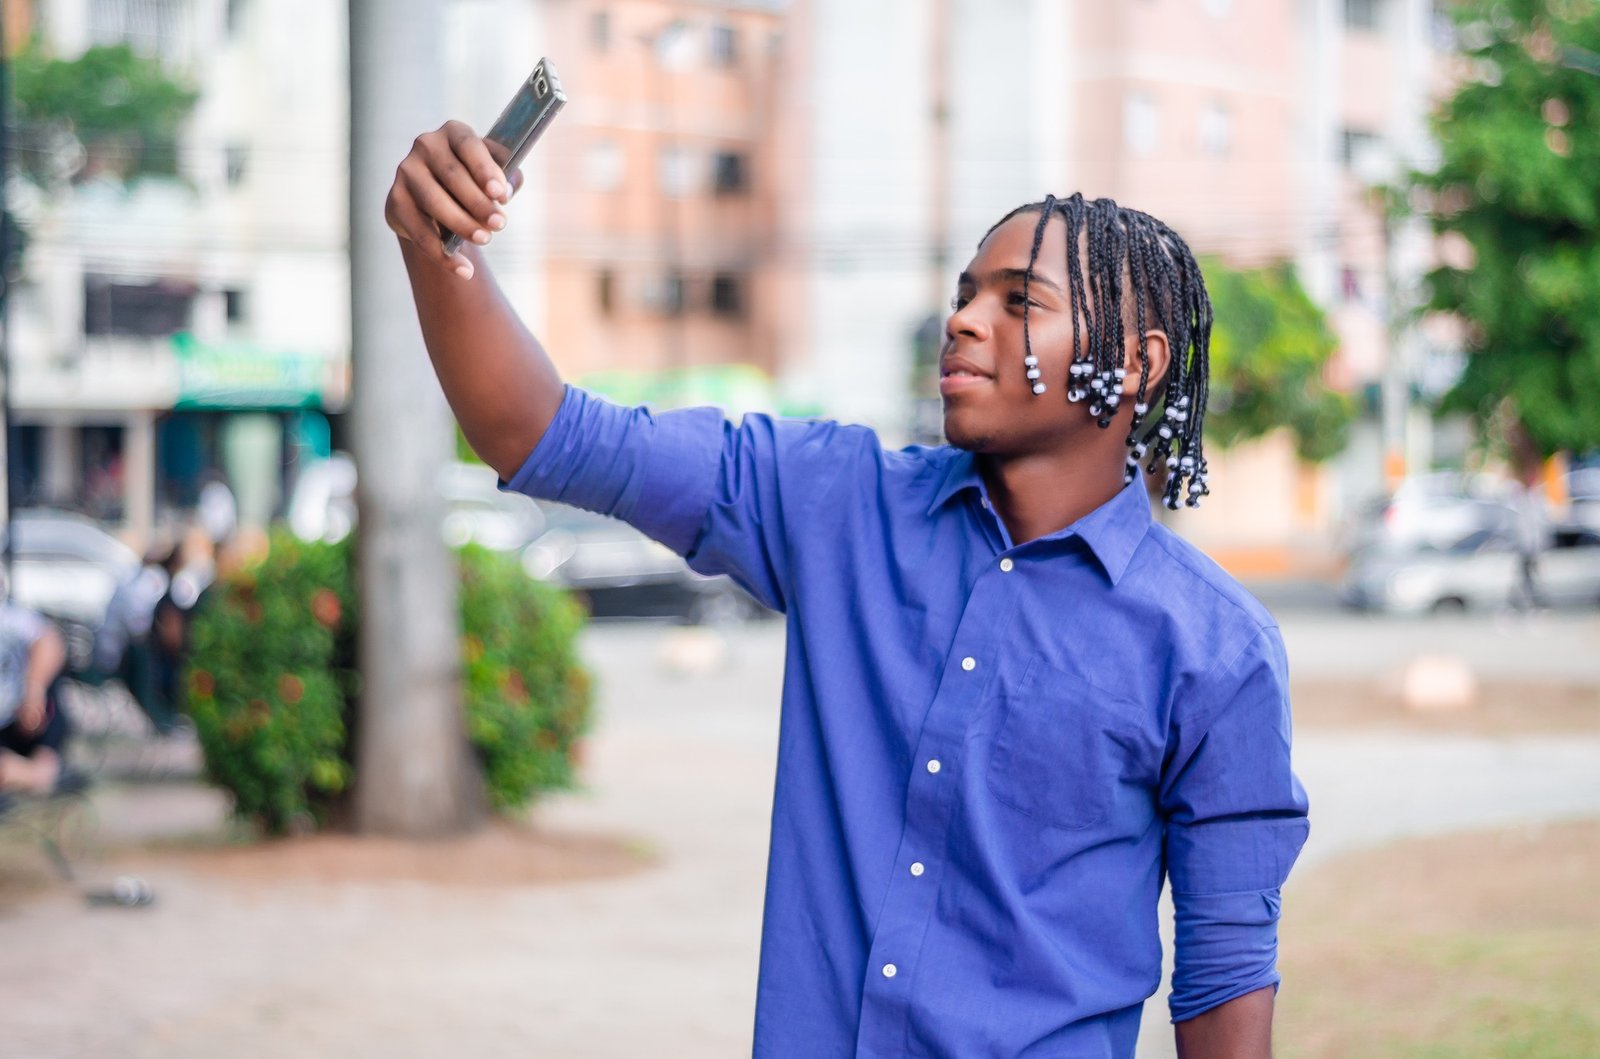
{"points": [[1039, 494]]}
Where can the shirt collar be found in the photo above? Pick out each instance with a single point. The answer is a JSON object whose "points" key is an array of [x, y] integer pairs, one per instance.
{"points": [[1112, 531]]}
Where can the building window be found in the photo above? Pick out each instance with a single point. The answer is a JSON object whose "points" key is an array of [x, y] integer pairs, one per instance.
{"points": [[727, 294], [600, 30], [1216, 130], [603, 165], [1356, 144], [141, 310], [606, 291], [1362, 14], [157, 28], [234, 16], [724, 45], [677, 171], [234, 306], [674, 294], [236, 159], [730, 174], [1141, 123]]}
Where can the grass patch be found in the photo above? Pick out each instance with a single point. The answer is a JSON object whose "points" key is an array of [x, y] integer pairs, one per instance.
{"points": [[1463, 947]]}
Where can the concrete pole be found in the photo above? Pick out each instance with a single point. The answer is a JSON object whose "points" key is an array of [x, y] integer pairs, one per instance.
{"points": [[414, 771], [139, 476]]}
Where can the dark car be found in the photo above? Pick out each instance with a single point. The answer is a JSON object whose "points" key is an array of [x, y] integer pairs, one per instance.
{"points": [[617, 572]]}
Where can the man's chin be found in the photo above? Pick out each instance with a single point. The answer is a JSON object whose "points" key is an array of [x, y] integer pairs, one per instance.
{"points": [[963, 437]]}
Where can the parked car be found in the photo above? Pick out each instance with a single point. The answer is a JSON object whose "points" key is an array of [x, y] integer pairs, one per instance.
{"points": [[615, 570], [1583, 497], [1434, 511], [66, 567], [1480, 572], [478, 512], [619, 572]]}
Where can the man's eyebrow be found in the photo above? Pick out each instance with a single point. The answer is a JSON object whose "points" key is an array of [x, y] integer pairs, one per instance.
{"points": [[1003, 275], [1009, 275]]}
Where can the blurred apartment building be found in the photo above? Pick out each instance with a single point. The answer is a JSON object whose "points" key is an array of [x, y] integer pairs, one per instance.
{"points": [[1257, 128], [881, 140], [171, 329], [789, 186]]}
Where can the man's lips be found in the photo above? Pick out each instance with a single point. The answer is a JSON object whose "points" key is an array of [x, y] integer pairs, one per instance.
{"points": [[958, 375], [961, 382]]}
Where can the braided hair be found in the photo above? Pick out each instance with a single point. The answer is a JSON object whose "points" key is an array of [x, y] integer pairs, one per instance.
{"points": [[1131, 255]]}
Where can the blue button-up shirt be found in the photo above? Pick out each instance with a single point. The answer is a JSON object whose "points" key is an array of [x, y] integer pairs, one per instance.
{"points": [[990, 753]]}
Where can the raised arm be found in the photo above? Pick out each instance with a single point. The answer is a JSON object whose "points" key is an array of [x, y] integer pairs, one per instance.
{"points": [[501, 386]]}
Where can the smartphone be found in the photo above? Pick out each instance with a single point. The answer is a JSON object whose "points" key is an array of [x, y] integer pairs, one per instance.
{"points": [[520, 125]]}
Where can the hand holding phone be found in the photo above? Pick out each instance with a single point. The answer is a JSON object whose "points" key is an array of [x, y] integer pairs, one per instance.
{"points": [[521, 124], [452, 185]]}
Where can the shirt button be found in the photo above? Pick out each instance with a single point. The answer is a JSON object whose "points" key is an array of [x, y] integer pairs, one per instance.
{"points": [[1006, 565], [917, 868], [933, 765], [969, 663], [890, 970]]}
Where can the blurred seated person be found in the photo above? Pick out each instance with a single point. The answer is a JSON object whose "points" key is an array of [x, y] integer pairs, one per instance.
{"points": [[33, 727], [124, 646]]}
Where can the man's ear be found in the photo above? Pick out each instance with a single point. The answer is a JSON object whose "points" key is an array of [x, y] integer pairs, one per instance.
{"points": [[1159, 352]]}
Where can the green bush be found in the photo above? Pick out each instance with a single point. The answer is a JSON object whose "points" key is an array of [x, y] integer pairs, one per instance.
{"points": [[272, 680]]}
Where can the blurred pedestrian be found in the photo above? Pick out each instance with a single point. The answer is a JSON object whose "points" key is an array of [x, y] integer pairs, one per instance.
{"points": [[1531, 529], [1013, 702], [216, 511], [126, 644]]}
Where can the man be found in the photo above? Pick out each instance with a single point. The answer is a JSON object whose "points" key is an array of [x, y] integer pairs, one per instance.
{"points": [[33, 728], [1011, 700]]}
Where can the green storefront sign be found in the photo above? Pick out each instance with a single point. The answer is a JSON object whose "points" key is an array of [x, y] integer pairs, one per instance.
{"points": [[236, 375]]}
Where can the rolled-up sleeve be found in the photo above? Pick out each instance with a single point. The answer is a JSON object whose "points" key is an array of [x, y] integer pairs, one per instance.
{"points": [[1236, 819], [724, 497]]}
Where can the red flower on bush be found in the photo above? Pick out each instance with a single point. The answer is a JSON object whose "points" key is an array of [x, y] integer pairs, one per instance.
{"points": [[291, 689], [203, 683], [325, 607]]}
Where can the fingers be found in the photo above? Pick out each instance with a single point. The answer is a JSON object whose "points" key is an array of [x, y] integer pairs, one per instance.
{"points": [[448, 183], [414, 221], [473, 155]]}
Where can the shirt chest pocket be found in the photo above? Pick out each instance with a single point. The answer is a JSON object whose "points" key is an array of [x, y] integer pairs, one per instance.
{"points": [[1065, 751]]}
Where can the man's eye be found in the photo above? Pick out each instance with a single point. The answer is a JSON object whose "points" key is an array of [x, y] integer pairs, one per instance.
{"points": [[957, 302], [1018, 299]]}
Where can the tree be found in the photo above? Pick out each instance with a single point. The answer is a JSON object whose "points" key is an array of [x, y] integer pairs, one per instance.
{"points": [[109, 110], [1269, 346], [1519, 182]]}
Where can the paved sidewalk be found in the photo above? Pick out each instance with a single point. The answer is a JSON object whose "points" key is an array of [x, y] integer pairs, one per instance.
{"points": [[660, 962]]}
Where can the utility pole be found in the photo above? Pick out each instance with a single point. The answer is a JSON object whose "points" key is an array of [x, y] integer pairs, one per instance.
{"points": [[415, 775]]}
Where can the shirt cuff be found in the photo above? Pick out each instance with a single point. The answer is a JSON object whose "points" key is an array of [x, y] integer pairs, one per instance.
{"points": [[1226, 946]]}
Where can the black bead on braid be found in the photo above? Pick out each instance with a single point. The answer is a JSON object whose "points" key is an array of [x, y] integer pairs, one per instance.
{"points": [[1123, 248]]}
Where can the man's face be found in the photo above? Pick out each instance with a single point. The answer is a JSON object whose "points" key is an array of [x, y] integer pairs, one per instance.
{"points": [[989, 403]]}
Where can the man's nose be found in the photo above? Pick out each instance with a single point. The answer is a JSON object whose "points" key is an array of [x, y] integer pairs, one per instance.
{"points": [[966, 322]]}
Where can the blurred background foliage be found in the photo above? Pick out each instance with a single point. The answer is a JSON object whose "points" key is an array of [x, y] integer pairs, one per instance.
{"points": [[1519, 182], [1270, 344]]}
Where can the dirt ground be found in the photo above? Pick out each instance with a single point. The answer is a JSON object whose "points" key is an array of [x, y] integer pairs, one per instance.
{"points": [[1502, 708], [1483, 944]]}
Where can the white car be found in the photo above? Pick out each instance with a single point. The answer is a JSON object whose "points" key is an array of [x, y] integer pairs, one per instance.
{"points": [[67, 566], [1481, 572]]}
